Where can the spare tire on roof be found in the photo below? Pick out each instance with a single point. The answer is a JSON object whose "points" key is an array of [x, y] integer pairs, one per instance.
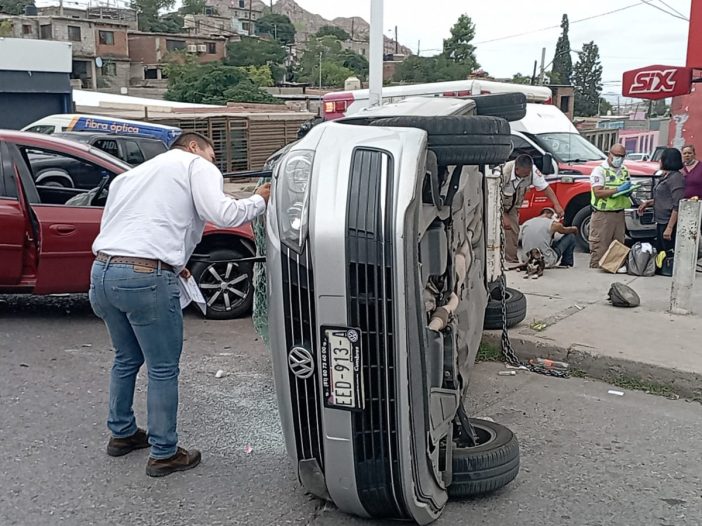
{"points": [[460, 140], [509, 106]]}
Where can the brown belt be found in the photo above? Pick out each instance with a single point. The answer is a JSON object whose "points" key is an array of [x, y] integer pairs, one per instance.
{"points": [[137, 262]]}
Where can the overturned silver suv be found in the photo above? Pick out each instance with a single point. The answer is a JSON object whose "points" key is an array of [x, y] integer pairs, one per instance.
{"points": [[377, 290]]}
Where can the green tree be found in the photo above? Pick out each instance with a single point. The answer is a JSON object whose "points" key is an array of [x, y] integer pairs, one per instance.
{"points": [[168, 23], [193, 7], [587, 79], [458, 47], [562, 69], [334, 31], [248, 91], [278, 26], [148, 12], [261, 76], [605, 106], [417, 69], [252, 51], [518, 78], [355, 62], [14, 7], [331, 53]]}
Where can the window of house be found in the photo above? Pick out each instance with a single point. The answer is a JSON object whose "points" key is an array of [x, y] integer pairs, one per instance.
{"points": [[242, 4], [245, 26], [45, 32], [26, 29], [209, 11], [74, 33], [211, 48], [174, 45], [109, 69], [107, 38]]}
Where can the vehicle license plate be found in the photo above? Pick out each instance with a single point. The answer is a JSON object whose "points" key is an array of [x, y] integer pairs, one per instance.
{"points": [[341, 368]]}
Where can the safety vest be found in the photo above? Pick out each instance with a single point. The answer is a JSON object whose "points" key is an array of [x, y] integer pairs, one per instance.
{"points": [[612, 180]]}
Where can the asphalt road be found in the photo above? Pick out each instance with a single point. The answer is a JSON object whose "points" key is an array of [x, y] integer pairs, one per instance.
{"points": [[588, 458]]}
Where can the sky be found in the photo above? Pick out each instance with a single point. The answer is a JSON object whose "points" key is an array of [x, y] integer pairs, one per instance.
{"points": [[628, 38]]}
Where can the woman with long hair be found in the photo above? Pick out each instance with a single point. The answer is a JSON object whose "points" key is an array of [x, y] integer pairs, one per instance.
{"points": [[667, 193]]}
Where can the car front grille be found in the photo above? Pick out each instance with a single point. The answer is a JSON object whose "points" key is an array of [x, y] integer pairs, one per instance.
{"points": [[370, 281], [300, 323]]}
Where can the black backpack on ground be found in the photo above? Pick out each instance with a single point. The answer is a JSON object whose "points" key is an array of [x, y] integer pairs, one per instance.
{"points": [[621, 295]]}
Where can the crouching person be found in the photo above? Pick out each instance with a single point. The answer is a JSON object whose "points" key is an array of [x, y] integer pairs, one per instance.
{"points": [[555, 241]]}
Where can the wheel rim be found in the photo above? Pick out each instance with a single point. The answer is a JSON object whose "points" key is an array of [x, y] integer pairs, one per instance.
{"points": [[224, 286], [496, 294], [485, 434]]}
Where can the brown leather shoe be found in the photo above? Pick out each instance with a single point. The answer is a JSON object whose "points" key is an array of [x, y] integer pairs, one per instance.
{"points": [[182, 461], [117, 447]]}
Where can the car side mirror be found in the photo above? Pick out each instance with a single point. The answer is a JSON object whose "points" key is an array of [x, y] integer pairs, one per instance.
{"points": [[547, 164]]}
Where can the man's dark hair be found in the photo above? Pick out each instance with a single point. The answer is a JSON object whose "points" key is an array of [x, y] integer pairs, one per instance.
{"points": [[187, 137], [524, 161], [671, 160]]}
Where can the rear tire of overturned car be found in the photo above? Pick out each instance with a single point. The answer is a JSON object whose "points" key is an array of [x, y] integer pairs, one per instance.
{"points": [[238, 289], [516, 306], [487, 467], [509, 106], [460, 140]]}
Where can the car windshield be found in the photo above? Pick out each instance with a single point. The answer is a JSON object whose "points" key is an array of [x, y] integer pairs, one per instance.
{"points": [[569, 147]]}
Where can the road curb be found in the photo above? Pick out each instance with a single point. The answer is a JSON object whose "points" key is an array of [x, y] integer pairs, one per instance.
{"points": [[606, 368]]}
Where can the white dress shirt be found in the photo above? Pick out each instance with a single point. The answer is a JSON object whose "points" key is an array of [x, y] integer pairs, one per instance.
{"points": [[158, 210]]}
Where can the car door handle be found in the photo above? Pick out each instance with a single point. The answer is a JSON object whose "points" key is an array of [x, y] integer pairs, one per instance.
{"points": [[63, 229]]}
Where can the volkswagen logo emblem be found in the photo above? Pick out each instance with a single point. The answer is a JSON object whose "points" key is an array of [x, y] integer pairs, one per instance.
{"points": [[301, 362]]}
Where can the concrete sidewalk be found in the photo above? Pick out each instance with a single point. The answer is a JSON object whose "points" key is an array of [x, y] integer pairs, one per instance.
{"points": [[570, 318]]}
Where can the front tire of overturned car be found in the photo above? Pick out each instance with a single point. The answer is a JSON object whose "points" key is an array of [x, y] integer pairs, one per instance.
{"points": [[226, 285], [487, 467]]}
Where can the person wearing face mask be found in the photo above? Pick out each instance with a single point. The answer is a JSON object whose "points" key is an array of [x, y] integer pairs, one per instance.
{"points": [[667, 193], [154, 218], [692, 172], [610, 189], [517, 177]]}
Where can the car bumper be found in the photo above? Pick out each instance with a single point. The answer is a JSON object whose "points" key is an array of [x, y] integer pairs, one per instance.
{"points": [[636, 227]]}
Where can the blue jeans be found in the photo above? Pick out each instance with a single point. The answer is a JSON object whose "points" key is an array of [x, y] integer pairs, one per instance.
{"points": [[565, 247], [143, 316]]}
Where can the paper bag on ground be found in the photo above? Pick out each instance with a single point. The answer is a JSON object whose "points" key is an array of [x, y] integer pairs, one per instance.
{"points": [[615, 257]]}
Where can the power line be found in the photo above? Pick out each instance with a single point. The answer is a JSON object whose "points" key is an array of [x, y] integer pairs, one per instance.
{"points": [[558, 26], [649, 3], [673, 9]]}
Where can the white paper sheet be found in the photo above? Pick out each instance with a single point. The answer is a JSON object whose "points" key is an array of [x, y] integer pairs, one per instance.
{"points": [[190, 292]]}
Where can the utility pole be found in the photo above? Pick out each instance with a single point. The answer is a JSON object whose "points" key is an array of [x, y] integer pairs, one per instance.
{"points": [[251, 28], [533, 75], [320, 70], [375, 74], [543, 66], [419, 47], [397, 44]]}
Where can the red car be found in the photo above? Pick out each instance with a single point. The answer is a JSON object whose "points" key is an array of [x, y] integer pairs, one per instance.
{"points": [[45, 243]]}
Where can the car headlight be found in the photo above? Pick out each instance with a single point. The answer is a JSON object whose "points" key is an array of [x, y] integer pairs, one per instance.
{"points": [[293, 196]]}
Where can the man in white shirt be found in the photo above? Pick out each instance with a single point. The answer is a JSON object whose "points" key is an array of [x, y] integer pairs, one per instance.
{"points": [[555, 241], [154, 218], [517, 177]]}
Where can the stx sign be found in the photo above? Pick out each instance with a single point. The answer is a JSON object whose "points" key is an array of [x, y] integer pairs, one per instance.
{"points": [[657, 82]]}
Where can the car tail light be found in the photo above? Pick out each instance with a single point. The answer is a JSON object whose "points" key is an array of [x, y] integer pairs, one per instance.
{"points": [[328, 107], [340, 106]]}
